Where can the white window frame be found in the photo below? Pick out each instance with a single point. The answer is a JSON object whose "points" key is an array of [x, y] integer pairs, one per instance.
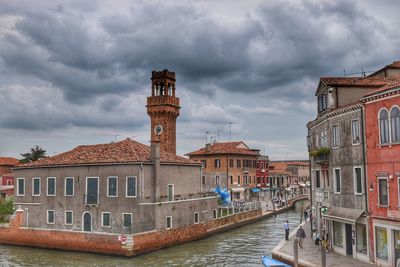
{"points": [[335, 137], [102, 219], [33, 187], [123, 221], [54, 216], [126, 186], [173, 192], [359, 132], [198, 218], [65, 186], [86, 192], [387, 188], [215, 214], [108, 186], [72, 217], [334, 180], [170, 218], [47, 186], [217, 180], [379, 127], [355, 180], [390, 124], [18, 194]]}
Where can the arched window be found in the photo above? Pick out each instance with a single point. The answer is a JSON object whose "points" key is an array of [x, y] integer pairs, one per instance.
{"points": [[384, 126], [395, 124]]}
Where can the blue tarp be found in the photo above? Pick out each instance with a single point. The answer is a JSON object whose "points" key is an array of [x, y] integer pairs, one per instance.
{"points": [[270, 262], [255, 190]]}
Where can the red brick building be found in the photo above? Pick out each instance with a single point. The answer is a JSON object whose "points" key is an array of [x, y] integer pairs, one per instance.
{"points": [[262, 171], [382, 129], [6, 177]]}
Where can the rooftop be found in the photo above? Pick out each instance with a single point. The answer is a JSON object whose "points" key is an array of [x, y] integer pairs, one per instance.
{"points": [[126, 151], [236, 148], [358, 81], [8, 161]]}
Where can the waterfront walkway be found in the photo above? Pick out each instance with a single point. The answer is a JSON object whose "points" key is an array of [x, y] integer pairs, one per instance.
{"points": [[310, 254]]}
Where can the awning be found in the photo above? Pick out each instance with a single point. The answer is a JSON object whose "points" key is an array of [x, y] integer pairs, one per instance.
{"points": [[264, 188], [238, 189], [255, 190], [6, 187], [302, 184], [343, 215]]}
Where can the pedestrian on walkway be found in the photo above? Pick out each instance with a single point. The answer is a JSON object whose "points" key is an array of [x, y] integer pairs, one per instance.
{"points": [[305, 215], [300, 234], [286, 226]]}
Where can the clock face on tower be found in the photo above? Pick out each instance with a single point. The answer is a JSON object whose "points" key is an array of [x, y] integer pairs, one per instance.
{"points": [[158, 129]]}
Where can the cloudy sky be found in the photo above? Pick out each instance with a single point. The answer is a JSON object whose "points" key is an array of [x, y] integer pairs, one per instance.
{"points": [[78, 72]]}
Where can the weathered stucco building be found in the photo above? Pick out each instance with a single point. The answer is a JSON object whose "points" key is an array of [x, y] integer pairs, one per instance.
{"points": [[123, 187], [228, 164]]}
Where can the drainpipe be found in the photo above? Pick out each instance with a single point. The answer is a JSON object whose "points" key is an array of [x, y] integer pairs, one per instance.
{"points": [[155, 157], [141, 182], [309, 170], [369, 220]]}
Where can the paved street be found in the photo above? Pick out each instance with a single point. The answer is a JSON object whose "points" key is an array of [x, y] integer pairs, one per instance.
{"points": [[310, 254]]}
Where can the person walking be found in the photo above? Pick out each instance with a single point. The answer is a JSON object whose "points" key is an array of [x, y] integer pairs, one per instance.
{"points": [[305, 215], [286, 226], [300, 234]]}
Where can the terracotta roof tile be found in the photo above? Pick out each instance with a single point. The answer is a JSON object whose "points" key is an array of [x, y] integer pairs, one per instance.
{"points": [[225, 148], [125, 151], [8, 161], [358, 81], [384, 88]]}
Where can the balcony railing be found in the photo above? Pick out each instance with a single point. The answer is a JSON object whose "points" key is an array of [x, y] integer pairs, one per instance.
{"points": [[163, 99], [321, 159]]}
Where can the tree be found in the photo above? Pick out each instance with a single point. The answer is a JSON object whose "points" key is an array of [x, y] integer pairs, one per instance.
{"points": [[35, 154]]}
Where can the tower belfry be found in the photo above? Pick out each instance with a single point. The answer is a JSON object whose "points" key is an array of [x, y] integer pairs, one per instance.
{"points": [[163, 109]]}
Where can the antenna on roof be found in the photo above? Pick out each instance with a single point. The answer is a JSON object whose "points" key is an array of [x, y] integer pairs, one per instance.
{"points": [[363, 72], [344, 71], [218, 135], [115, 137], [207, 132], [230, 131]]}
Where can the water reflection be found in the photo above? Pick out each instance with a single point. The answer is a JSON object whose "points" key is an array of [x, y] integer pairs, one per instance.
{"points": [[239, 247]]}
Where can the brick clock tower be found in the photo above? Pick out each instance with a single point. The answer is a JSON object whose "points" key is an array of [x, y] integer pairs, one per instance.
{"points": [[163, 109]]}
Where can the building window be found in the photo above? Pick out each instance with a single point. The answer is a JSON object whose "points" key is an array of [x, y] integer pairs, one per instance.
{"points": [[112, 186], [196, 218], [170, 192], [231, 163], [21, 186], [358, 183], [238, 163], [217, 163], [36, 186], [214, 214], [50, 217], [92, 190], [217, 180], [238, 179], [335, 136], [381, 243], [384, 126], [322, 102], [69, 186], [203, 179], [68, 217], [361, 236], [337, 234], [231, 178], [318, 178], [131, 186], [51, 186], [336, 174], [383, 191], [127, 219], [169, 222], [355, 131], [105, 219], [395, 124]]}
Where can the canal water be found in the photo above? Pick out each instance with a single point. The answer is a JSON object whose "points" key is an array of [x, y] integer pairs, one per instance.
{"points": [[243, 246]]}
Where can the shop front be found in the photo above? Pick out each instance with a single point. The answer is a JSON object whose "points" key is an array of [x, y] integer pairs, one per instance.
{"points": [[387, 242]]}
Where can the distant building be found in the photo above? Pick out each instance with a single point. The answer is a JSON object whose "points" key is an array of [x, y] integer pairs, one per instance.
{"points": [[229, 164], [382, 128], [123, 187], [6, 177]]}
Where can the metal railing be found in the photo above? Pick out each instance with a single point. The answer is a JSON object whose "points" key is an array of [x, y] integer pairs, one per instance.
{"points": [[237, 207]]}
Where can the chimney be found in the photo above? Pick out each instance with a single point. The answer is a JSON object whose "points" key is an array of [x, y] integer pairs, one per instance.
{"points": [[155, 157]]}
